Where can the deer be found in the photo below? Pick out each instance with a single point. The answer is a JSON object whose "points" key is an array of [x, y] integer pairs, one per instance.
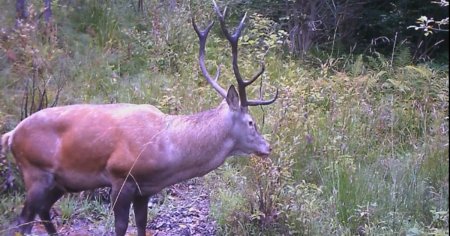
{"points": [[135, 149]]}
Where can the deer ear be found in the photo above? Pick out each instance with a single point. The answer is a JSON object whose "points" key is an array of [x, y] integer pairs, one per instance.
{"points": [[233, 98]]}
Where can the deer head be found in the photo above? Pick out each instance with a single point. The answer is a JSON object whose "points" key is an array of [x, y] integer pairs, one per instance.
{"points": [[249, 140], [135, 149]]}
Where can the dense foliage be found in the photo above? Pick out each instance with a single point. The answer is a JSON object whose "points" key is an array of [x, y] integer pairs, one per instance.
{"points": [[360, 131]]}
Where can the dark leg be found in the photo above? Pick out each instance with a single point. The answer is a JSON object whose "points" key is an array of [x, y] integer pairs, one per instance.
{"points": [[39, 200], [44, 213], [41, 195], [120, 203], [140, 206], [25, 221]]}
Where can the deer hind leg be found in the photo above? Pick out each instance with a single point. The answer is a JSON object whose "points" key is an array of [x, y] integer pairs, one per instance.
{"points": [[41, 195], [26, 217], [120, 201], [44, 213], [140, 207]]}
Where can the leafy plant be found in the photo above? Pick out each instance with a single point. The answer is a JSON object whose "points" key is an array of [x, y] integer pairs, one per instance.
{"points": [[359, 132], [68, 206]]}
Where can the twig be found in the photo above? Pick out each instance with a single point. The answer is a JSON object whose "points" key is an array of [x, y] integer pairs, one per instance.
{"points": [[139, 189], [393, 49]]}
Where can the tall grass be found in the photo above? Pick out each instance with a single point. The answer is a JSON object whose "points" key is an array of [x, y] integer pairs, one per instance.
{"points": [[359, 147], [365, 153]]}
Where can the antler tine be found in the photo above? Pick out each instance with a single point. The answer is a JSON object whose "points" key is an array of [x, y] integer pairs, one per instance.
{"points": [[256, 76], [233, 40], [202, 35], [263, 102], [221, 17]]}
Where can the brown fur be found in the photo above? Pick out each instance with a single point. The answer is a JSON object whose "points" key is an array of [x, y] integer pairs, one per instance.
{"points": [[135, 149]]}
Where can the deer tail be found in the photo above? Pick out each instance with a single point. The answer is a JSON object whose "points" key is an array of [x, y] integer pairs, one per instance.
{"points": [[5, 144]]}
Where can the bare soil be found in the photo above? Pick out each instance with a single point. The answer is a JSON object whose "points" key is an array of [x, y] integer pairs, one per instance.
{"points": [[182, 210]]}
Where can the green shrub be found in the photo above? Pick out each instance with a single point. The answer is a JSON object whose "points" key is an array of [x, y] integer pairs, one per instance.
{"points": [[360, 142]]}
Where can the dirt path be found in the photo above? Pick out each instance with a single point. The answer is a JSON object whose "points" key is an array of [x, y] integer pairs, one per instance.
{"points": [[186, 213], [183, 210]]}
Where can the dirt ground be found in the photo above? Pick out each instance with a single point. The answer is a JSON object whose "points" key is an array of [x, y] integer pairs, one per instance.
{"points": [[183, 211]]}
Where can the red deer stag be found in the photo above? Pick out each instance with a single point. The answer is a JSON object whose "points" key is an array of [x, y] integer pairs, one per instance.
{"points": [[135, 149]]}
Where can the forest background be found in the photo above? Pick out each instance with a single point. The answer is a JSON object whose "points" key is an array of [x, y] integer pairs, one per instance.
{"points": [[360, 131]]}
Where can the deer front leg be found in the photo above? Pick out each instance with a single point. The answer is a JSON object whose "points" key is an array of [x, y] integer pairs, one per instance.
{"points": [[121, 202], [140, 207]]}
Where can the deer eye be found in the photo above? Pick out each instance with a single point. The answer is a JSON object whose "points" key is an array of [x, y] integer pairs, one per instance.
{"points": [[250, 123]]}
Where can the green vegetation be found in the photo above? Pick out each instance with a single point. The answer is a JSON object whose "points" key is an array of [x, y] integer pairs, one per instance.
{"points": [[360, 138]]}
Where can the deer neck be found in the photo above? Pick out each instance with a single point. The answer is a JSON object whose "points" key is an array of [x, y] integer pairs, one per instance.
{"points": [[201, 142]]}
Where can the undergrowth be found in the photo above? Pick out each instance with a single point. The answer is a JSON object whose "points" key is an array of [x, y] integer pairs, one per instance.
{"points": [[360, 141]]}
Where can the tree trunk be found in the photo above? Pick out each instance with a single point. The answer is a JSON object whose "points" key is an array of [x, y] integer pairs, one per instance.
{"points": [[21, 11], [140, 6], [48, 10]]}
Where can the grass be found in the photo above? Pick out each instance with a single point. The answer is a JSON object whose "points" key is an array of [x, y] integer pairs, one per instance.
{"points": [[9, 206], [359, 146], [362, 151]]}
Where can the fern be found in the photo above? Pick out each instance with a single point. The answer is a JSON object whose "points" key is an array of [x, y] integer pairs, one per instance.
{"points": [[357, 68], [420, 70], [403, 57], [378, 62]]}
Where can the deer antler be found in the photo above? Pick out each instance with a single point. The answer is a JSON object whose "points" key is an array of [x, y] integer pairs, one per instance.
{"points": [[202, 35], [233, 39]]}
